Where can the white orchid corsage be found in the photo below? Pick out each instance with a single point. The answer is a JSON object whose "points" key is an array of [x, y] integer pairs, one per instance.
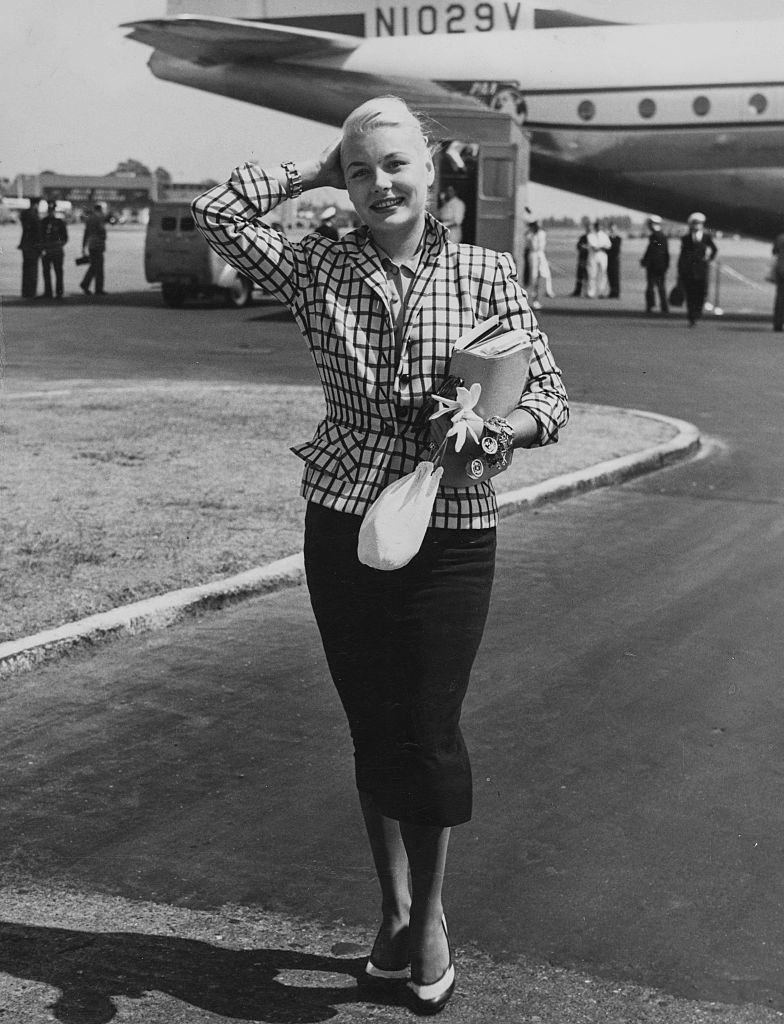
{"points": [[464, 419]]}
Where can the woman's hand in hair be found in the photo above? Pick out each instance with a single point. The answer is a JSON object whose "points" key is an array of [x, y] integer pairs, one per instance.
{"points": [[325, 170]]}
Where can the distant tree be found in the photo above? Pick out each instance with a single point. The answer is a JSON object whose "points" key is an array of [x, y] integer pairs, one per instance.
{"points": [[162, 176], [131, 168]]}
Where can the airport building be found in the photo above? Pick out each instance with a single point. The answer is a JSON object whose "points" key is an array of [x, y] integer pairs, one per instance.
{"points": [[125, 197]]}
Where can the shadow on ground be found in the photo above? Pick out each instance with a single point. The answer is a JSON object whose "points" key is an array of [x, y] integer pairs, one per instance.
{"points": [[269, 308], [91, 969]]}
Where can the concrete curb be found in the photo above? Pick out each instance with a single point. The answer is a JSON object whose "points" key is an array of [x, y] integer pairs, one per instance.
{"points": [[612, 471], [167, 609]]}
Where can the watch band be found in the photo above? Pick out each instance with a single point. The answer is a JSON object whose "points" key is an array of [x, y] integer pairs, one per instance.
{"points": [[293, 179], [497, 441]]}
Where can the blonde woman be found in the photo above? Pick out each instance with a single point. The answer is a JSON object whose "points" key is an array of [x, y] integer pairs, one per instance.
{"points": [[381, 309]]}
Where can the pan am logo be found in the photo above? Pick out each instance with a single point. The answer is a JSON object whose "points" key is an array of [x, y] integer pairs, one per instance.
{"points": [[508, 98], [503, 96], [441, 17]]}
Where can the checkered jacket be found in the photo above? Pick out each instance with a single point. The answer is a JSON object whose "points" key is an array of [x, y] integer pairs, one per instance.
{"points": [[376, 424]]}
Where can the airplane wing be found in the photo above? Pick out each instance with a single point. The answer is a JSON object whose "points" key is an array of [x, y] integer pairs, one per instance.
{"points": [[209, 41], [297, 71]]}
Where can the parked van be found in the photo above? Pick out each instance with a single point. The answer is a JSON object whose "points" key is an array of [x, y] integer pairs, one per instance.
{"points": [[177, 256]]}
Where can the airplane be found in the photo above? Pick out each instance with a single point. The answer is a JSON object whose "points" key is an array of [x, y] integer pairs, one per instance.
{"points": [[663, 118]]}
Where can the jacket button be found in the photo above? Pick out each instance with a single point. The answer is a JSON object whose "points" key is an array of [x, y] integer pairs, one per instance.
{"points": [[404, 378]]}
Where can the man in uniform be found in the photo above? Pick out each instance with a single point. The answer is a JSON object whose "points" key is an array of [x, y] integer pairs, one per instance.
{"points": [[697, 251], [94, 245], [30, 245], [54, 235], [451, 213], [656, 260]]}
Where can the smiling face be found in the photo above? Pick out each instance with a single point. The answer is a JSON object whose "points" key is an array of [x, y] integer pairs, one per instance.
{"points": [[388, 171]]}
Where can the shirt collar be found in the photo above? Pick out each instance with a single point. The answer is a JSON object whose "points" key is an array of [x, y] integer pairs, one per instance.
{"points": [[411, 264]]}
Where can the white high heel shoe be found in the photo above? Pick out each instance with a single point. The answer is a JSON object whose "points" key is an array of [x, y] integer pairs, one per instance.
{"points": [[379, 974], [432, 998]]}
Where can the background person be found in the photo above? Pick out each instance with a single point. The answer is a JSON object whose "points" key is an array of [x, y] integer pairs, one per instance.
{"points": [[541, 277], [614, 263], [326, 226], [778, 278], [698, 250], [94, 245], [656, 260], [581, 273], [54, 236], [395, 295], [451, 213], [30, 245], [598, 248]]}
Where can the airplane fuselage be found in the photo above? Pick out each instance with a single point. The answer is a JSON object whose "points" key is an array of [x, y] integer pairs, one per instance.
{"points": [[638, 115]]}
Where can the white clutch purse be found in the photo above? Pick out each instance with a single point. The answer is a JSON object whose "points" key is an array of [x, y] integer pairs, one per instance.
{"points": [[394, 526]]}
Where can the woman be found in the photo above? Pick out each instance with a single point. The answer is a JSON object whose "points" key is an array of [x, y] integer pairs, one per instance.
{"points": [[381, 310]]}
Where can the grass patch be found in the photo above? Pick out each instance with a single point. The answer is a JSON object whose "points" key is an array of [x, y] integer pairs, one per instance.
{"points": [[114, 494]]}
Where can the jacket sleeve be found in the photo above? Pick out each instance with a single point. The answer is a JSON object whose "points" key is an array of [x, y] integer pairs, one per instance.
{"points": [[230, 218], [544, 395]]}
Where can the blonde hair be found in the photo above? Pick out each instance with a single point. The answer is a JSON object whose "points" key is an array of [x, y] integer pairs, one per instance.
{"points": [[386, 112]]}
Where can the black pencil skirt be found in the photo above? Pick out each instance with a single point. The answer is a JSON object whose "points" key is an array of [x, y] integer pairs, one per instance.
{"points": [[400, 646]]}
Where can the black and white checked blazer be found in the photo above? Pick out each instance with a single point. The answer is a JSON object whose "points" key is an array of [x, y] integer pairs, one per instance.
{"points": [[376, 424]]}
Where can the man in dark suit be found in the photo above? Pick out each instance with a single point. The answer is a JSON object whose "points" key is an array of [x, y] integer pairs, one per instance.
{"points": [[54, 235], [697, 251], [94, 244], [614, 263], [581, 277], [656, 260], [30, 244], [778, 279]]}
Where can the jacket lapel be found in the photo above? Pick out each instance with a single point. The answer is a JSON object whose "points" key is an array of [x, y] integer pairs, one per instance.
{"points": [[433, 246]]}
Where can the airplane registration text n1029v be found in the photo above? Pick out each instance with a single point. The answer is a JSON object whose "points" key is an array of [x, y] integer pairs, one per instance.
{"points": [[451, 18]]}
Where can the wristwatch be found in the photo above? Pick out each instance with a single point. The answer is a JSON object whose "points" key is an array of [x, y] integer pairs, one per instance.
{"points": [[496, 441], [293, 179]]}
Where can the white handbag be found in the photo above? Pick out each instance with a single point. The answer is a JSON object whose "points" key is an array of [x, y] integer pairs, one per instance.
{"points": [[394, 526]]}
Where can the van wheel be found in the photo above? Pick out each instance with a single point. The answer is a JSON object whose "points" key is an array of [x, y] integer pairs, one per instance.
{"points": [[240, 293], [172, 295]]}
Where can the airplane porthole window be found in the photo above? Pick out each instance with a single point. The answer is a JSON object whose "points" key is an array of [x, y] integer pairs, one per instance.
{"points": [[647, 108], [586, 111], [701, 106], [758, 103]]}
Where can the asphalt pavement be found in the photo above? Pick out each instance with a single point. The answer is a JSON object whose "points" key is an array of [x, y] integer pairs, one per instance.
{"points": [[181, 840]]}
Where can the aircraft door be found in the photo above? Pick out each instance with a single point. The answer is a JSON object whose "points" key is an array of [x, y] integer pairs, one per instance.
{"points": [[496, 196], [457, 169], [485, 177]]}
